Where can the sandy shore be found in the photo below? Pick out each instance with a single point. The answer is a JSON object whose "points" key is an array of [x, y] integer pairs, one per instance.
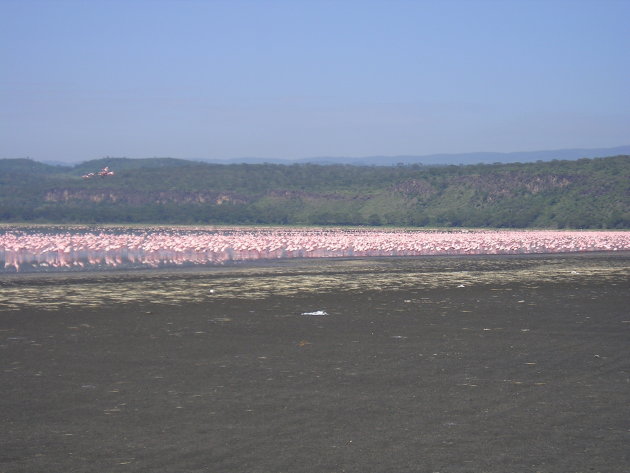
{"points": [[509, 376]]}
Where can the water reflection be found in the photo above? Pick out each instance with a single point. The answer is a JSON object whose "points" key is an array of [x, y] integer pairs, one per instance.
{"points": [[293, 277]]}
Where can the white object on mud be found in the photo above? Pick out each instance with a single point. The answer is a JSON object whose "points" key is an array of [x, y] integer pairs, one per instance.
{"points": [[317, 312]]}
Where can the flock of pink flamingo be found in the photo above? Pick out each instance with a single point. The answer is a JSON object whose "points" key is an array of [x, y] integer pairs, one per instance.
{"points": [[97, 248]]}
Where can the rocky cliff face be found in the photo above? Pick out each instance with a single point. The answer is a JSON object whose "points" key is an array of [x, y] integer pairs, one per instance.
{"points": [[178, 197], [415, 188], [512, 183], [143, 198], [492, 186]]}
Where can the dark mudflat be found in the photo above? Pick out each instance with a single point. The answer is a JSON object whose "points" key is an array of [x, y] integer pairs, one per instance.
{"points": [[509, 377]]}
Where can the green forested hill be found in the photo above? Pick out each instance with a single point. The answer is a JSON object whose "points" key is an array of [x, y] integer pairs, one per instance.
{"points": [[587, 193]]}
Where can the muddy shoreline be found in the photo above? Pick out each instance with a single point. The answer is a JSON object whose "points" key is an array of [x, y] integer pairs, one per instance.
{"points": [[475, 372]]}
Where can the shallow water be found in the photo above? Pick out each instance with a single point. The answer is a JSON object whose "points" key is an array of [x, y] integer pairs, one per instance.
{"points": [[260, 280]]}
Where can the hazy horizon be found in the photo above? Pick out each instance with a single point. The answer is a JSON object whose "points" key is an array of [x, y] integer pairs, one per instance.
{"points": [[221, 80]]}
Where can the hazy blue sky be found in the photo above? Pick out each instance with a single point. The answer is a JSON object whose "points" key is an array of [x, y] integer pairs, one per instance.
{"points": [[222, 79]]}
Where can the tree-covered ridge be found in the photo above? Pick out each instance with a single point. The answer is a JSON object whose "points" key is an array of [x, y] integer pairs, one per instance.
{"points": [[587, 193]]}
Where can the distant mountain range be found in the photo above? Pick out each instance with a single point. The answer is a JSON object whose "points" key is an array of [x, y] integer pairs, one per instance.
{"points": [[427, 160], [444, 159]]}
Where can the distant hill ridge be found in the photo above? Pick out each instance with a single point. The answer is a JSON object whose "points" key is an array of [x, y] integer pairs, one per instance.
{"points": [[445, 158], [582, 193], [428, 160]]}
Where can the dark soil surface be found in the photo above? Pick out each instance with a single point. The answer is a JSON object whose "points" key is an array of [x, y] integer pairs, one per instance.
{"points": [[509, 376]]}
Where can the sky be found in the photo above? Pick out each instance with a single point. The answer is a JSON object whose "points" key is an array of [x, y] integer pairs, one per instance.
{"points": [[293, 79]]}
